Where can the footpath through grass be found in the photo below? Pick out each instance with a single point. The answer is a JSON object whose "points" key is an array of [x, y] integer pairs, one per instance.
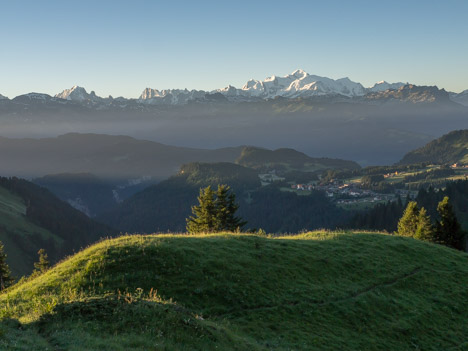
{"points": [[315, 291]]}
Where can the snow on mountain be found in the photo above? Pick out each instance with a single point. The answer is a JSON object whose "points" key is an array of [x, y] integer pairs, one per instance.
{"points": [[461, 98], [77, 93], [170, 96], [297, 84], [383, 85], [3, 97], [33, 99]]}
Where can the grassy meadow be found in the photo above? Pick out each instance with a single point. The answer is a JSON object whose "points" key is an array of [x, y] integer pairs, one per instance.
{"points": [[313, 291]]}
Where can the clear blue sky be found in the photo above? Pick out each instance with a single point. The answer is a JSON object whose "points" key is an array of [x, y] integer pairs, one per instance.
{"points": [[121, 47]]}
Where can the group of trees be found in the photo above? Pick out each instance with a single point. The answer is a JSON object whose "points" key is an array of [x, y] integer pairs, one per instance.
{"points": [[416, 223], [215, 212]]}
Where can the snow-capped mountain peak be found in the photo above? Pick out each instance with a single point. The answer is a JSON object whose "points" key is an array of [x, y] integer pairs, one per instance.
{"points": [[301, 84], [170, 96], [298, 84], [383, 85], [77, 93], [3, 97], [299, 73]]}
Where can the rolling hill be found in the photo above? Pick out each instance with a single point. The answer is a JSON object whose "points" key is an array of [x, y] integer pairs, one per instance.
{"points": [[322, 290], [117, 158], [448, 149], [32, 218], [289, 159]]}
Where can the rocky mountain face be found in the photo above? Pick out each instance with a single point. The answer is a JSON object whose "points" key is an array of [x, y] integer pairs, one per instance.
{"points": [[410, 93]]}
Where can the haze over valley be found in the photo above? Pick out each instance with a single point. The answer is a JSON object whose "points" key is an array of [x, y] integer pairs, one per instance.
{"points": [[316, 115]]}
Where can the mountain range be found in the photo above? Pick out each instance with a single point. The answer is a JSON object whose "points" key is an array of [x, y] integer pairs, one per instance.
{"points": [[315, 115], [298, 84]]}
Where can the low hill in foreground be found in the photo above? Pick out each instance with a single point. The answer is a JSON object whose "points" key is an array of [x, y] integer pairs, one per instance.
{"points": [[448, 149], [325, 291]]}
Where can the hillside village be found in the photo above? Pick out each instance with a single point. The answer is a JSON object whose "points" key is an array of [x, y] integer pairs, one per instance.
{"points": [[351, 193]]}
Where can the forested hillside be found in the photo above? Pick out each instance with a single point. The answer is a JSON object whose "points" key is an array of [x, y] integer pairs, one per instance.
{"points": [[165, 206], [289, 159], [448, 149], [31, 218]]}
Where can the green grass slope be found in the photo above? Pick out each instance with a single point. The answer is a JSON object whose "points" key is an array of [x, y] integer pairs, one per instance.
{"points": [[316, 291]]}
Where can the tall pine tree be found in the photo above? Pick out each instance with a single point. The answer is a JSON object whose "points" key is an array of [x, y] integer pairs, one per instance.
{"points": [[448, 230], [5, 275], [204, 214], [215, 213], [409, 221], [424, 229], [226, 208]]}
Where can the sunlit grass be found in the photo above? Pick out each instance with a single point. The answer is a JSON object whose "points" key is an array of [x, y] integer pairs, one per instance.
{"points": [[314, 290]]}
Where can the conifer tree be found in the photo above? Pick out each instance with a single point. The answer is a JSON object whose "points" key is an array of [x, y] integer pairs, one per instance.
{"points": [[226, 208], [5, 275], [424, 229], [43, 263], [215, 213], [222, 206], [448, 230], [204, 214], [409, 221]]}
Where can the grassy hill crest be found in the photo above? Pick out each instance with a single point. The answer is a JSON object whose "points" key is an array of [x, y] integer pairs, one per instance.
{"points": [[320, 290]]}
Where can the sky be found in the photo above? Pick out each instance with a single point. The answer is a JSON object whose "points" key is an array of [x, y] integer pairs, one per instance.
{"points": [[119, 48]]}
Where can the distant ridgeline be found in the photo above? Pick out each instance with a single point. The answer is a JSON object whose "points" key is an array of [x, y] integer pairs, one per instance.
{"points": [[289, 159], [31, 218], [165, 206]]}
